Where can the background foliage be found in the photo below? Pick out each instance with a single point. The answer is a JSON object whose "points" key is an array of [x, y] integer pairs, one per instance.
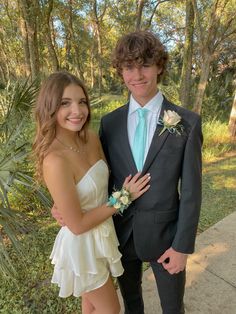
{"points": [[41, 36]]}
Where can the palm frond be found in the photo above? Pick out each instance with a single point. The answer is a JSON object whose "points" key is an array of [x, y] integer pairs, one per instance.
{"points": [[10, 229], [16, 176], [16, 103]]}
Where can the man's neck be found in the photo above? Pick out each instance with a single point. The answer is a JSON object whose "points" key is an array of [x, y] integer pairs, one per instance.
{"points": [[144, 101]]}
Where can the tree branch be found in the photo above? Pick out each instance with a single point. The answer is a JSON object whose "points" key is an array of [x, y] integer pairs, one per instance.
{"points": [[154, 11]]}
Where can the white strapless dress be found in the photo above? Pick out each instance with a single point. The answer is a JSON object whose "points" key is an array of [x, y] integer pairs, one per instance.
{"points": [[84, 262]]}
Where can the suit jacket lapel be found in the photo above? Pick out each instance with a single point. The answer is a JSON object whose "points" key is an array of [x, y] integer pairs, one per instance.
{"points": [[124, 139], [158, 140]]}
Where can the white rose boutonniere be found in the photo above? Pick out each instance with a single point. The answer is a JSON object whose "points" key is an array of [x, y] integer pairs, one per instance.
{"points": [[171, 122]]}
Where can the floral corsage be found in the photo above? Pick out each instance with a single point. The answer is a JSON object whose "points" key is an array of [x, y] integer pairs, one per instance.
{"points": [[120, 200], [171, 122]]}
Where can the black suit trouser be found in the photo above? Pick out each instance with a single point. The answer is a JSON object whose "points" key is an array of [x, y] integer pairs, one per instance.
{"points": [[170, 287]]}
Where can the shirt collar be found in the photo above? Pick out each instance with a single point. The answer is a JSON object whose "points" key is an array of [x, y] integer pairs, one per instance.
{"points": [[153, 105]]}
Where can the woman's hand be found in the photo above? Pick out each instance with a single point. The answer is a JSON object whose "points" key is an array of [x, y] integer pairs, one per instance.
{"points": [[57, 215], [136, 185]]}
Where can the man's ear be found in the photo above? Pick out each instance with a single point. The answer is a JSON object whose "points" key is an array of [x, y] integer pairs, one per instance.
{"points": [[159, 70]]}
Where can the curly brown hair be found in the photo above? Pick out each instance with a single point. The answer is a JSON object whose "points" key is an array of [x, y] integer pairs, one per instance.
{"points": [[47, 105], [140, 47]]}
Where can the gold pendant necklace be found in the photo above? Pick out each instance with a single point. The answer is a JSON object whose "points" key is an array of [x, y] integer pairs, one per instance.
{"points": [[76, 150]]}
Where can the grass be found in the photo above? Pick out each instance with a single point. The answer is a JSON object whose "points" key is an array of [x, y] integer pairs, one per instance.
{"points": [[219, 174], [32, 293], [217, 140], [219, 190]]}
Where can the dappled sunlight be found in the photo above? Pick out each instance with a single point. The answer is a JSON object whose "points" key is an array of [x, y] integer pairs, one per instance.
{"points": [[224, 160], [220, 182], [227, 167], [198, 262], [210, 251], [226, 163]]}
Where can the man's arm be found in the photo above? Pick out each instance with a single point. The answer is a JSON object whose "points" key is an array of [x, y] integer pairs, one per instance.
{"points": [[190, 192], [174, 259]]}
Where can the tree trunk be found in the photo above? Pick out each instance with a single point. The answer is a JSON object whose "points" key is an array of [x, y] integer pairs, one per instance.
{"points": [[140, 7], [99, 60], [48, 34], [5, 72], [210, 38], [97, 21], [185, 87], [30, 18], [205, 68], [24, 35], [92, 67], [232, 119], [69, 34], [3, 79]]}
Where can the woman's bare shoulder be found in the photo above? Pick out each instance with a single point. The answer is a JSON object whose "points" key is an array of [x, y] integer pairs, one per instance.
{"points": [[55, 159]]}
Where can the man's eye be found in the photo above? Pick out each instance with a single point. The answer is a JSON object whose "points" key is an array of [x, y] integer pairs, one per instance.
{"points": [[128, 68]]}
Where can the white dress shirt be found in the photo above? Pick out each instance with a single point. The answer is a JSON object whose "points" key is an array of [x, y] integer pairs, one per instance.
{"points": [[154, 109]]}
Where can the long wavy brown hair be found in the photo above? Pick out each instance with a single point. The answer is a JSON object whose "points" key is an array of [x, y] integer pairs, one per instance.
{"points": [[47, 105]]}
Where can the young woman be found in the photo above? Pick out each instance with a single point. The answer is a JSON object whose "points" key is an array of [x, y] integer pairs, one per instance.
{"points": [[71, 162]]}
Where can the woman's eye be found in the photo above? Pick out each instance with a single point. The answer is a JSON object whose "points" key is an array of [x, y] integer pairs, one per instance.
{"points": [[83, 102], [64, 103]]}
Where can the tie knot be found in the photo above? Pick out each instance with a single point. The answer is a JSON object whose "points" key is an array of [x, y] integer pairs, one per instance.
{"points": [[142, 112]]}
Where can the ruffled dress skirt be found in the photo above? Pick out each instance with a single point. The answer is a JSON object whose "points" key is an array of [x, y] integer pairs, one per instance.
{"points": [[84, 262]]}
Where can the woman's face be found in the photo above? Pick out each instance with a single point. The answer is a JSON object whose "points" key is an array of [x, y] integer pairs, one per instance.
{"points": [[73, 111]]}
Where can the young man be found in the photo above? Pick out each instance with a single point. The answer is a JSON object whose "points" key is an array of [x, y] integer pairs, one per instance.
{"points": [[150, 134]]}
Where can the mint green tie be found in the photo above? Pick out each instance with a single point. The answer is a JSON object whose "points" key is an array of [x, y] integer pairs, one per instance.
{"points": [[140, 136]]}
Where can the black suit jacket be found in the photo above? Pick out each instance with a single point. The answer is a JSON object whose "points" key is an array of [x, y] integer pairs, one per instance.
{"points": [[168, 213]]}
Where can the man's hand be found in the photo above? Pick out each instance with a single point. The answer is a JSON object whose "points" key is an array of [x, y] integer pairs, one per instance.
{"points": [[57, 215], [173, 261]]}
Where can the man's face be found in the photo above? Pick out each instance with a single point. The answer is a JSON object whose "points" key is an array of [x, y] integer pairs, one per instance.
{"points": [[141, 80]]}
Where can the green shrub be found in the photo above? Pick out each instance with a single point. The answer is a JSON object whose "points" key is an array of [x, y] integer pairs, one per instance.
{"points": [[217, 139], [104, 105]]}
